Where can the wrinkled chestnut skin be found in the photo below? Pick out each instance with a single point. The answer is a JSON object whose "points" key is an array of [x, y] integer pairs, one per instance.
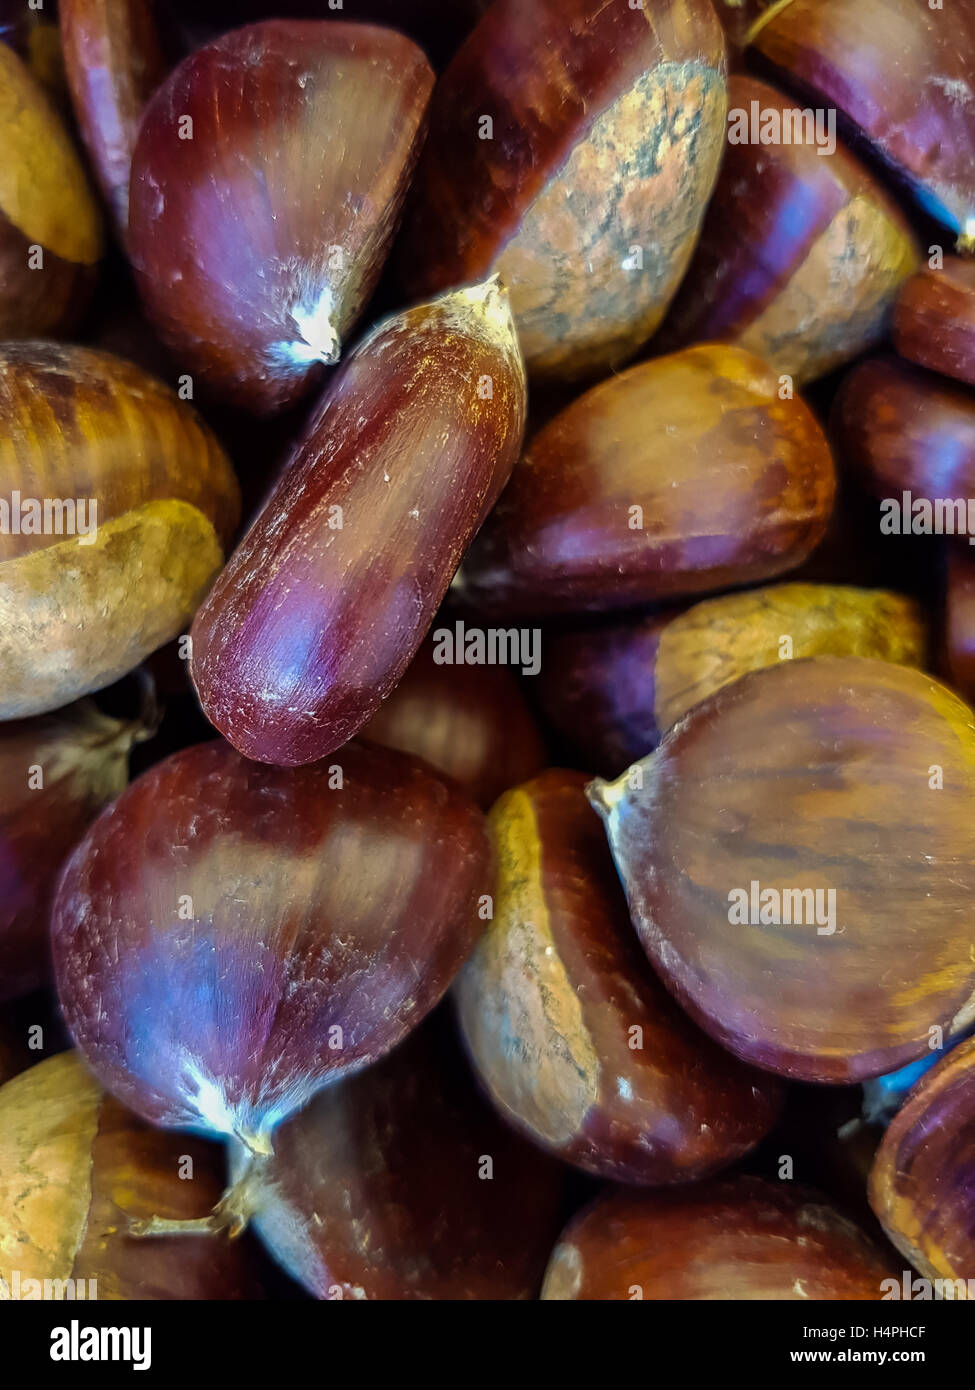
{"points": [[905, 429], [471, 722], [615, 691], [76, 1168], [960, 621], [56, 773], [375, 1190], [735, 486], [809, 775], [800, 257], [608, 127], [922, 1184], [324, 603], [901, 73], [77, 611], [220, 921], [114, 63], [934, 319], [51, 236], [257, 243], [738, 1239], [549, 1001]]}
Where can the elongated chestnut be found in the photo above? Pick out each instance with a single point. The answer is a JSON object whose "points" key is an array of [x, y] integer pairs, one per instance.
{"points": [[572, 148], [329, 595], [116, 508], [900, 72], [934, 319], [680, 475], [114, 63], [75, 1170], [576, 1041], [51, 237], [615, 691], [267, 180], [401, 1183], [741, 1238], [921, 1182], [802, 251], [57, 771], [799, 859], [228, 937]]}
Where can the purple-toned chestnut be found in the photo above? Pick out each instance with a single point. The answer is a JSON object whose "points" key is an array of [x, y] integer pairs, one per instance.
{"points": [[934, 321], [922, 1184], [799, 859], [326, 600], [741, 1238], [692, 472], [267, 180], [229, 937], [401, 1183], [573, 146], [574, 1037]]}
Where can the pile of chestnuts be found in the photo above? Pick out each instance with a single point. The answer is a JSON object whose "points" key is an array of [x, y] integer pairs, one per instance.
{"points": [[487, 635]]}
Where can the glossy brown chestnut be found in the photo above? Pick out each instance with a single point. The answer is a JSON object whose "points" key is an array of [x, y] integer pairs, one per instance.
{"points": [[959, 633], [329, 595], [76, 1169], [799, 859], [114, 63], [401, 1183], [266, 187], [119, 505], [736, 1239], [615, 691], [934, 320], [900, 71], [922, 1184], [801, 254], [681, 475], [573, 145], [56, 773], [905, 430], [573, 1036], [51, 236], [228, 937]]}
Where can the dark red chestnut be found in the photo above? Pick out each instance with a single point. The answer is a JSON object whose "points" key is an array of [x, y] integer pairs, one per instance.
{"points": [[799, 859], [329, 595], [692, 472], [934, 320], [573, 146], [266, 185], [574, 1037], [802, 251], [228, 937], [737, 1239], [400, 1183]]}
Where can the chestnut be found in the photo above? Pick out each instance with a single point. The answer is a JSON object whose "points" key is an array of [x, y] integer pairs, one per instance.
{"points": [[934, 319], [471, 722], [401, 1183], [921, 1181], [228, 936], [76, 1170], [740, 1238], [267, 179], [569, 1030], [573, 146], [959, 625], [873, 60], [615, 691], [51, 237], [57, 771], [327, 598], [681, 475], [799, 859], [800, 257], [116, 508]]}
